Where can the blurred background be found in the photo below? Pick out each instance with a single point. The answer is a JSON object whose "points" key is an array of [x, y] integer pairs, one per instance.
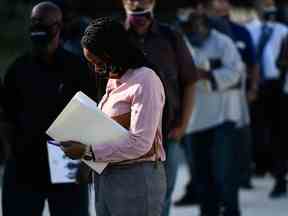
{"points": [[14, 22], [14, 17]]}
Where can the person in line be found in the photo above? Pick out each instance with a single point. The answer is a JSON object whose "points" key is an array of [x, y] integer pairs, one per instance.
{"points": [[134, 183], [267, 144], [219, 10], [244, 43], [37, 87], [217, 112], [165, 48]]}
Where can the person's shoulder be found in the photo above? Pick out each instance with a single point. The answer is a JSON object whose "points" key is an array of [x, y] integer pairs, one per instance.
{"points": [[223, 41], [20, 62], [145, 75], [169, 30], [69, 59], [166, 26], [279, 28], [254, 25], [221, 37], [239, 29], [23, 58], [68, 56]]}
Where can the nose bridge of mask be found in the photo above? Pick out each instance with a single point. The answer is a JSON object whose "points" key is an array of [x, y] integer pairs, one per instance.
{"points": [[139, 9], [39, 37]]}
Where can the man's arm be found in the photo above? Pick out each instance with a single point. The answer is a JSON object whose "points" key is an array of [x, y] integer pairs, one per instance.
{"points": [[9, 99], [232, 69], [187, 79], [187, 104]]}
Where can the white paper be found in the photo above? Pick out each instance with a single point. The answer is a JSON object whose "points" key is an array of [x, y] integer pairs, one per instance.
{"points": [[82, 121], [62, 169]]}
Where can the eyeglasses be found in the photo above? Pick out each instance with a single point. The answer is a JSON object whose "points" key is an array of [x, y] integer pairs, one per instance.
{"points": [[92, 68]]}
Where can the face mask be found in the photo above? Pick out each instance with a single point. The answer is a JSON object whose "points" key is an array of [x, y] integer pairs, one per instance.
{"points": [[139, 17], [270, 14], [41, 37], [137, 20], [196, 39]]}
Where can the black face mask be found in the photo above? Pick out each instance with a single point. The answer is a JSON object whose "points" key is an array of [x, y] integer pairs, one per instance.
{"points": [[196, 39], [270, 15], [41, 36]]}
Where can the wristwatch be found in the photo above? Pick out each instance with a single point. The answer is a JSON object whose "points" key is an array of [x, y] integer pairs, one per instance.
{"points": [[88, 155]]}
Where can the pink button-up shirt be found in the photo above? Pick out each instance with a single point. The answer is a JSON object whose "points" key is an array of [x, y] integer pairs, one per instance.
{"points": [[141, 93]]}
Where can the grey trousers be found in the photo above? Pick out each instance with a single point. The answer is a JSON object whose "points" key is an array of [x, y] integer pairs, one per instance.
{"points": [[131, 190]]}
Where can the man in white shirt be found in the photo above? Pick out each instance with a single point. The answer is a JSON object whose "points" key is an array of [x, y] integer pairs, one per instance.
{"points": [[216, 114], [265, 111]]}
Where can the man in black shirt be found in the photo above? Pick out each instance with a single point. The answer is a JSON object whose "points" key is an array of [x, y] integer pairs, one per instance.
{"points": [[37, 87]]}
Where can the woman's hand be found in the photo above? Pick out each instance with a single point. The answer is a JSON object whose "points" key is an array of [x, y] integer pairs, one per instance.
{"points": [[73, 150]]}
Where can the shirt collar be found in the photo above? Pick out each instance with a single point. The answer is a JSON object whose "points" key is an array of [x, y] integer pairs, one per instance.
{"points": [[125, 77]]}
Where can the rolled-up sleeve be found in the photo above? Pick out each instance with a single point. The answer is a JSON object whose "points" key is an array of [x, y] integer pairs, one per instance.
{"points": [[147, 102]]}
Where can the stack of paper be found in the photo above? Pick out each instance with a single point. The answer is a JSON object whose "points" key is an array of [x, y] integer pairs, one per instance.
{"points": [[82, 121]]}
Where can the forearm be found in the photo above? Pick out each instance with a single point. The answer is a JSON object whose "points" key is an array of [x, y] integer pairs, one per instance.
{"points": [[187, 104], [129, 148]]}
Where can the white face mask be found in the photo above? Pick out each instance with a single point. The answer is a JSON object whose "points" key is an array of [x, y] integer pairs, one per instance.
{"points": [[140, 17], [139, 9]]}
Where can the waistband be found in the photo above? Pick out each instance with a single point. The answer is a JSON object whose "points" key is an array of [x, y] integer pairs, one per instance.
{"points": [[135, 163]]}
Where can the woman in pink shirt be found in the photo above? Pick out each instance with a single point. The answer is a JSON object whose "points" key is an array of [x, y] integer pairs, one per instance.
{"points": [[134, 183]]}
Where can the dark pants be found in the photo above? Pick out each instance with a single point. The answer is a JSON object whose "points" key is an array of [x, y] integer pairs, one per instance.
{"points": [[171, 168], [266, 119], [245, 150], [186, 144], [245, 161], [281, 153], [63, 199], [215, 154]]}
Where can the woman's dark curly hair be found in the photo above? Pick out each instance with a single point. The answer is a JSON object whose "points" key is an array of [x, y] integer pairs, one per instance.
{"points": [[106, 36]]}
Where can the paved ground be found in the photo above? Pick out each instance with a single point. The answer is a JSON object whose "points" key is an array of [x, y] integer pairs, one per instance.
{"points": [[254, 203]]}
